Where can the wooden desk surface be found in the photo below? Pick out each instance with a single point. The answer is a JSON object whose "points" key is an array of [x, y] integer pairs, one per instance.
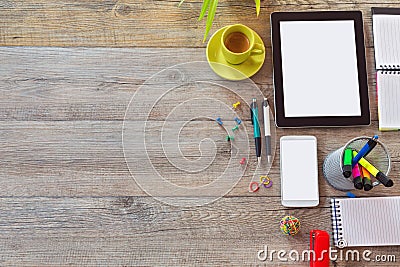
{"points": [[66, 195]]}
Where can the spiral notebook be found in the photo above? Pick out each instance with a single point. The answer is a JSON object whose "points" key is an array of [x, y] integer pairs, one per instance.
{"points": [[373, 221], [386, 31]]}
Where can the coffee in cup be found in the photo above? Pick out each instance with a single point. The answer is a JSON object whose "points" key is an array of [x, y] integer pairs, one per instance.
{"points": [[238, 43]]}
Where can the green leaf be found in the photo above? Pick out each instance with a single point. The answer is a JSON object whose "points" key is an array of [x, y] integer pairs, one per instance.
{"points": [[258, 6], [210, 17], [204, 7], [180, 3]]}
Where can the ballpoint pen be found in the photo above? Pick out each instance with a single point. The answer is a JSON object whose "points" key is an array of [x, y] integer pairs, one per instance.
{"points": [[267, 129], [256, 128], [364, 151]]}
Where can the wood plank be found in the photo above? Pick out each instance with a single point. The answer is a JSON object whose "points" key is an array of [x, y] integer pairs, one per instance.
{"points": [[85, 158], [140, 231], [67, 197], [133, 23], [97, 83]]}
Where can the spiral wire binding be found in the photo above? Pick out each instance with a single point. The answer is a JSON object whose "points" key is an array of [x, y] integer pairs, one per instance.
{"points": [[389, 67], [394, 72], [337, 230]]}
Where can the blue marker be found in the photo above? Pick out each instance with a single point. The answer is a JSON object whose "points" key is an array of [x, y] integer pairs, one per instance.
{"points": [[365, 150]]}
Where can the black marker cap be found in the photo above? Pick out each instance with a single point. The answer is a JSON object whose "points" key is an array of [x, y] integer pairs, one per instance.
{"points": [[367, 184], [358, 184], [347, 171], [384, 179]]}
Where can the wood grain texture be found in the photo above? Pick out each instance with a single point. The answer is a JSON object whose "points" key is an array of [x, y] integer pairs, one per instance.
{"points": [[135, 23], [67, 196], [43, 83], [86, 158], [132, 231]]}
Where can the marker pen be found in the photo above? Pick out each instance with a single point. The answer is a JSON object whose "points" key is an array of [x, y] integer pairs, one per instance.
{"points": [[347, 158], [357, 180], [366, 179], [364, 151], [380, 176]]}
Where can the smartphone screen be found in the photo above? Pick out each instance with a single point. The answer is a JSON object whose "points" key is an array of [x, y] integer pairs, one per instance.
{"points": [[299, 171]]}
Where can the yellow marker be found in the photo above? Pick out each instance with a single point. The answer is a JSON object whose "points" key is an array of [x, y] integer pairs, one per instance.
{"points": [[380, 176], [370, 168]]}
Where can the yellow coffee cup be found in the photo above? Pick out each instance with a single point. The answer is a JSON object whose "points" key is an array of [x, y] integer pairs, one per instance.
{"points": [[238, 44]]}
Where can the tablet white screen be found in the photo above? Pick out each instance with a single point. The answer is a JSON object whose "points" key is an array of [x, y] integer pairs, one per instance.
{"points": [[319, 68]]}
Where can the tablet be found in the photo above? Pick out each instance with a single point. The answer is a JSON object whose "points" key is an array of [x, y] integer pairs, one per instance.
{"points": [[299, 171], [320, 76]]}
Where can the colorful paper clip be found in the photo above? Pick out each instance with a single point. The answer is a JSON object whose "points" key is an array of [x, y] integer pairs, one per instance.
{"points": [[238, 121], [235, 105], [219, 121], [265, 181], [253, 187]]}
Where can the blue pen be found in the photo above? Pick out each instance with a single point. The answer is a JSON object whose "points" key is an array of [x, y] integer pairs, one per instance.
{"points": [[256, 128], [365, 150]]}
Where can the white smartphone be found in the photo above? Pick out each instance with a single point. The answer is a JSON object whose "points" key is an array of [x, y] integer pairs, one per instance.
{"points": [[299, 171]]}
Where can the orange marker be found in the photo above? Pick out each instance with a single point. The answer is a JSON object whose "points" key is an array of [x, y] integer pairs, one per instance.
{"points": [[366, 179]]}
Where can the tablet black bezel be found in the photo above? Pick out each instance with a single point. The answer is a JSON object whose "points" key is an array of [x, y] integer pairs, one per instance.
{"points": [[281, 120]]}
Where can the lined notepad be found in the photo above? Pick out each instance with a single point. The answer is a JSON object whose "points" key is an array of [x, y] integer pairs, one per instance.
{"points": [[388, 87], [386, 30], [371, 221]]}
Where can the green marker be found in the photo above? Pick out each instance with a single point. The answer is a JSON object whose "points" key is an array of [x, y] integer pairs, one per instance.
{"points": [[347, 159]]}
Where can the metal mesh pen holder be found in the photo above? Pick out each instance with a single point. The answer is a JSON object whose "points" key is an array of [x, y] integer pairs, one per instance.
{"points": [[333, 164]]}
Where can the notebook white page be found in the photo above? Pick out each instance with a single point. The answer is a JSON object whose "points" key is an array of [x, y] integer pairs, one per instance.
{"points": [[371, 221], [388, 87], [386, 29]]}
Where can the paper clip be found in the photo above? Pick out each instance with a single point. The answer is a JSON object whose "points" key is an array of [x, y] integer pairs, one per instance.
{"points": [[253, 187], [264, 180]]}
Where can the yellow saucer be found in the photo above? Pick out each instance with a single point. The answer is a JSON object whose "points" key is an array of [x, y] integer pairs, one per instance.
{"points": [[229, 71]]}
